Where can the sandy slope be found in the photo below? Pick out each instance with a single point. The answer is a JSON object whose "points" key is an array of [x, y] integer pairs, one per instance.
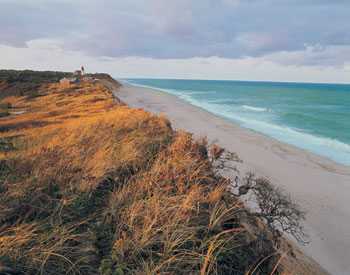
{"points": [[321, 186]]}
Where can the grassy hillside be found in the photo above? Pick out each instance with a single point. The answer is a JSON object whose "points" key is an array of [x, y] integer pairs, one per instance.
{"points": [[91, 186]]}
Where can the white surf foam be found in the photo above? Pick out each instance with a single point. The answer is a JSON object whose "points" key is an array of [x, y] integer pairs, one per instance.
{"points": [[255, 109]]}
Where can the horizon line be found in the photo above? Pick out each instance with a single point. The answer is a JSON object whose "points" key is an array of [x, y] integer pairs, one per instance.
{"points": [[238, 80]]}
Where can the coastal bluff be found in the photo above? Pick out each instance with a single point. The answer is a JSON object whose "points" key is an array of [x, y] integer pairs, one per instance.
{"points": [[89, 185]]}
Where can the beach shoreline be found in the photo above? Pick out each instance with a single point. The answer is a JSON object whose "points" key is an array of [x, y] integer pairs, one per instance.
{"points": [[319, 185]]}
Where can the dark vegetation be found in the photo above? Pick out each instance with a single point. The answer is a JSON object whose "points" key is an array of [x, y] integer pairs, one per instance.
{"points": [[101, 188], [33, 77], [26, 83]]}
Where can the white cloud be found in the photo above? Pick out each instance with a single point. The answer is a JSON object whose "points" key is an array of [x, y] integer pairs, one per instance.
{"points": [[44, 55], [45, 44], [313, 55]]}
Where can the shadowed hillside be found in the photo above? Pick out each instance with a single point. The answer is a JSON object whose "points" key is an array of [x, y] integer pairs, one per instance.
{"points": [[91, 186]]}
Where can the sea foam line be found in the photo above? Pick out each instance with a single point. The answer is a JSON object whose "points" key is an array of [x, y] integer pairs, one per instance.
{"points": [[255, 109]]}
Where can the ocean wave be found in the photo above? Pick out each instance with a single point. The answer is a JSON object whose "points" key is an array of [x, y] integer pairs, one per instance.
{"points": [[227, 101], [327, 147], [324, 146], [255, 109], [195, 92], [169, 91]]}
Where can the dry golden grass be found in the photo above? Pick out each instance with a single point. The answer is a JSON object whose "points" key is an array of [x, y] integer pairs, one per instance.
{"points": [[91, 186]]}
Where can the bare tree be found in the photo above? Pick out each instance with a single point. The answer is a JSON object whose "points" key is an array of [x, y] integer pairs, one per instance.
{"points": [[275, 207], [271, 203]]}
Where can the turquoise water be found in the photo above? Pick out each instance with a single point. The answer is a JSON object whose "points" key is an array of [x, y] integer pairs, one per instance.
{"points": [[315, 117]]}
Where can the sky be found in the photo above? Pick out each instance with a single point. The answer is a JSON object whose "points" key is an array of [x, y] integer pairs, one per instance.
{"points": [[276, 40]]}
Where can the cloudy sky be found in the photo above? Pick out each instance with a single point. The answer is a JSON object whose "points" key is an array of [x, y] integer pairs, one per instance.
{"points": [[280, 40]]}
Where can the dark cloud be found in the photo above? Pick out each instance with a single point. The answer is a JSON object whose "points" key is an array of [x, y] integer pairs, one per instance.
{"points": [[182, 28]]}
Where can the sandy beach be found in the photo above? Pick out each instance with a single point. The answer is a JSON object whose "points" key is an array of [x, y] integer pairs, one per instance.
{"points": [[319, 185]]}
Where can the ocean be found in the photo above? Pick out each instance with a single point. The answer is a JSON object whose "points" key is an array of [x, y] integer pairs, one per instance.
{"points": [[314, 117]]}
